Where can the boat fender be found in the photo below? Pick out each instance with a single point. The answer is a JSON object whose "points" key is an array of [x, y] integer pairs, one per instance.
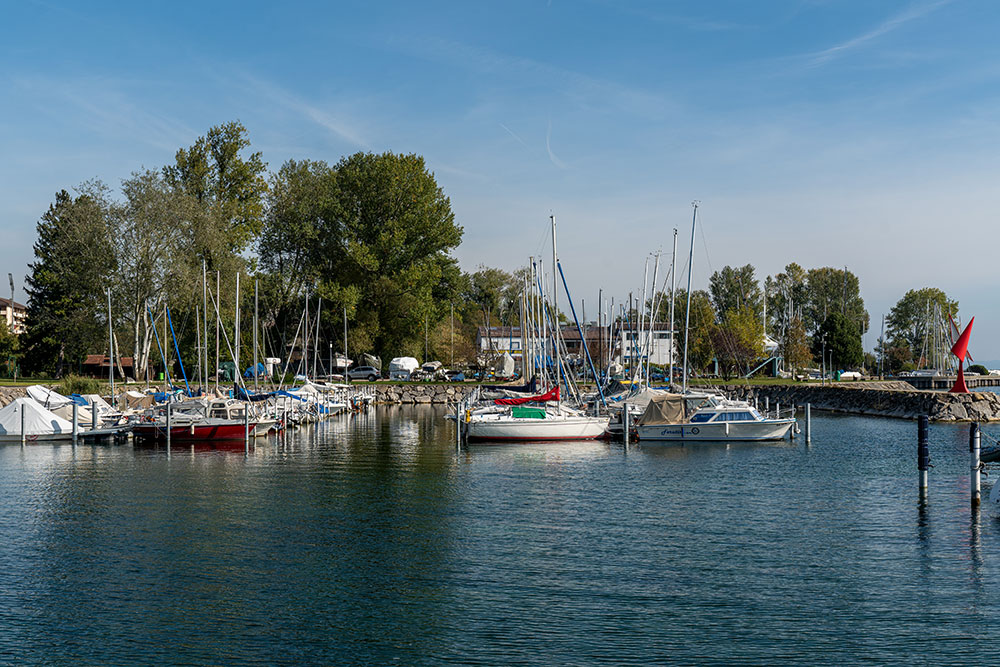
{"points": [[468, 416]]}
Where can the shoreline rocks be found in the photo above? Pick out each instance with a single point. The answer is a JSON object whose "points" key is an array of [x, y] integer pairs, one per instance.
{"points": [[883, 399]]}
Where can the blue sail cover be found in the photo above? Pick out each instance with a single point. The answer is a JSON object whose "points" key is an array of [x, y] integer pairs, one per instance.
{"points": [[261, 371]]}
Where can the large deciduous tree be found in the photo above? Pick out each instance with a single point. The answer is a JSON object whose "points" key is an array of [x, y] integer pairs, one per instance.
{"points": [[910, 323], [735, 289], [830, 291]]}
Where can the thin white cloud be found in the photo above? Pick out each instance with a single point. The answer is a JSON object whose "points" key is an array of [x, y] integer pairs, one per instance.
{"points": [[548, 147], [511, 133], [913, 12], [329, 121]]}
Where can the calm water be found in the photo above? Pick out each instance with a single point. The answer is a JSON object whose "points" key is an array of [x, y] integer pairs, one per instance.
{"points": [[369, 541]]}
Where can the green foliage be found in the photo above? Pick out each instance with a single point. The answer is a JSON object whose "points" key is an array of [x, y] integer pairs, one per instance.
{"points": [[65, 284], [736, 290], [830, 291], [841, 339], [795, 346], [371, 234], [738, 340], [226, 183], [74, 384], [701, 348], [979, 368], [910, 323]]}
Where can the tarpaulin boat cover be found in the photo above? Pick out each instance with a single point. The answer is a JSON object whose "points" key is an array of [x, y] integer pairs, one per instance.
{"points": [[37, 420], [527, 413], [552, 395], [664, 409], [47, 398]]}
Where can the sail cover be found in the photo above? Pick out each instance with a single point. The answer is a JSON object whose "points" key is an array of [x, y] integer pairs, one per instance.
{"points": [[664, 409], [552, 395]]}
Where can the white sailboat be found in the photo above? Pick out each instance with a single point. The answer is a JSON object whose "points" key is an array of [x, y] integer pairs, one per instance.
{"points": [[551, 420]]}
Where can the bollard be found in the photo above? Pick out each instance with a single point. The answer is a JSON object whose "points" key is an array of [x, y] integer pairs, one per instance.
{"points": [[974, 447], [767, 405], [246, 429], [808, 423], [93, 415], [777, 410], [458, 425], [168, 428], [76, 423], [23, 434], [625, 425], [923, 452]]}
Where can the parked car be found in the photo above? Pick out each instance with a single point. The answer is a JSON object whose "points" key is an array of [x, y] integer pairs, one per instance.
{"points": [[369, 373]]}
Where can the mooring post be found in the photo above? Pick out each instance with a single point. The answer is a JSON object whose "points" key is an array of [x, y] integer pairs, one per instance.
{"points": [[168, 427], [625, 424], [246, 428], [923, 453], [974, 447], [777, 410], [458, 425], [767, 405], [76, 423], [23, 434], [93, 415], [808, 423]]}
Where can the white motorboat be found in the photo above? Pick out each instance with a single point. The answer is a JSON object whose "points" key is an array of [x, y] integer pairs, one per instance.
{"points": [[518, 423], [671, 418]]}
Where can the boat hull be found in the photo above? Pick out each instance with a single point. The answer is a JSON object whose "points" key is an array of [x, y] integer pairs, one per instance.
{"points": [[536, 430], [191, 433], [775, 429]]}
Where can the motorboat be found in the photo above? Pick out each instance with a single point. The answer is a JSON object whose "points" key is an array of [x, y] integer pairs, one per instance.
{"points": [[683, 417]]}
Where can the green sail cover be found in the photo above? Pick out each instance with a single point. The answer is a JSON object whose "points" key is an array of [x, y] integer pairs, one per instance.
{"points": [[527, 413]]}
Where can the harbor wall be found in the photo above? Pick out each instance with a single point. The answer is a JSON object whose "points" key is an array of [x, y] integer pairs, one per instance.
{"points": [[8, 394], [419, 393], [884, 399]]}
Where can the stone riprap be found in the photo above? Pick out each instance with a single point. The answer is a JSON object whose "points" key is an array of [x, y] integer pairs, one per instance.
{"points": [[885, 399], [8, 394], [417, 393]]}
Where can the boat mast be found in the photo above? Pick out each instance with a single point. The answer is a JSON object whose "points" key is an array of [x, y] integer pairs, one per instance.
{"points": [[111, 346], [236, 338], [652, 316], [687, 316], [555, 309], [204, 313], [218, 325], [673, 289], [256, 304]]}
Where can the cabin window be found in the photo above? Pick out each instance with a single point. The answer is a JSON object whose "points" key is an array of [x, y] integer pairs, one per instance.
{"points": [[701, 417]]}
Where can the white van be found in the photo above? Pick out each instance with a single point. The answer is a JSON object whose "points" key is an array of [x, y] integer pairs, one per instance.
{"points": [[401, 367]]}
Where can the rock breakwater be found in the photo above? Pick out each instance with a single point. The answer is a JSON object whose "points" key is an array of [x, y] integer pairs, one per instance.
{"points": [[885, 399]]}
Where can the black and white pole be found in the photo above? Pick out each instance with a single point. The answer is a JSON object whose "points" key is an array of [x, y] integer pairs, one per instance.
{"points": [[76, 423], [923, 453], [974, 447]]}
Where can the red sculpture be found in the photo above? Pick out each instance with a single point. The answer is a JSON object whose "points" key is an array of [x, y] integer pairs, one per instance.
{"points": [[960, 349]]}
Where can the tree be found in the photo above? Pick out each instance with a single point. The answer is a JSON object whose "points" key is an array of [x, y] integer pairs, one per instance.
{"points": [[841, 340], [66, 282], [736, 289], [223, 181], [701, 348], [787, 295], [738, 341], [834, 290], [377, 243], [795, 346], [910, 323]]}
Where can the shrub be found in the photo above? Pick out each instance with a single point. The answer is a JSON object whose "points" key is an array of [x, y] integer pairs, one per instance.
{"points": [[74, 384], [979, 368]]}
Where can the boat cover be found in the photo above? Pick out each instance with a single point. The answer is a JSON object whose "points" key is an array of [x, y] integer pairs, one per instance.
{"points": [[527, 413], [37, 420], [664, 409], [47, 398]]}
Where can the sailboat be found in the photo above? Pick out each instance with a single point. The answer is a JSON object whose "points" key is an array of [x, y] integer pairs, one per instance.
{"points": [[514, 420]]}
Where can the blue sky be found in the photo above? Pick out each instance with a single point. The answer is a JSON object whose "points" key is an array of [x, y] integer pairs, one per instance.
{"points": [[828, 133]]}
